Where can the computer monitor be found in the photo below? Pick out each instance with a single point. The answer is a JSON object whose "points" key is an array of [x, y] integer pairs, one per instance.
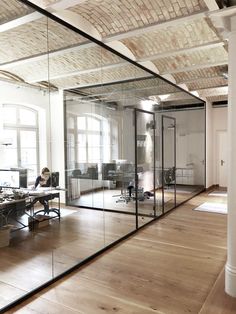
{"points": [[108, 171], [55, 179], [23, 176], [9, 179]]}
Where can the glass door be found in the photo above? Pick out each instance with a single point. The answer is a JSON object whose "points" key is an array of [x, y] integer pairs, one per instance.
{"points": [[144, 186], [168, 163]]}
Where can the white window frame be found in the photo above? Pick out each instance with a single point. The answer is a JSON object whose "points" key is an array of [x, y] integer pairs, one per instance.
{"points": [[21, 127], [75, 131]]}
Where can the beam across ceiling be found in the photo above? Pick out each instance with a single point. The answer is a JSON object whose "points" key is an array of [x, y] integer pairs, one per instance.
{"points": [[209, 45], [195, 67], [212, 5], [156, 26], [60, 52], [199, 79], [80, 72], [61, 5], [20, 21]]}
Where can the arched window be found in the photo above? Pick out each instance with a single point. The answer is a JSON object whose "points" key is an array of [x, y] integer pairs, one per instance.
{"points": [[91, 139], [20, 126]]}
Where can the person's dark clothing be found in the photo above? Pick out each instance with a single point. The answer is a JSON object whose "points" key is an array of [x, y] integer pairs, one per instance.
{"points": [[39, 178], [44, 202]]}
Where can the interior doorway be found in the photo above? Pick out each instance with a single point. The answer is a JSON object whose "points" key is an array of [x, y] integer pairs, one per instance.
{"points": [[168, 163], [221, 142]]}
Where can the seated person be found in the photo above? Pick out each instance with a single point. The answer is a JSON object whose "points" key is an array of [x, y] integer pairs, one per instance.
{"points": [[44, 180]]}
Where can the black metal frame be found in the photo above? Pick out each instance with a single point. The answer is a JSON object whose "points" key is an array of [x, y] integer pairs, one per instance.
{"points": [[100, 43], [136, 111], [163, 117]]}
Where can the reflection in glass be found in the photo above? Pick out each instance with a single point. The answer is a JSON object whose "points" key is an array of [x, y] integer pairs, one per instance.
{"points": [[145, 180]]}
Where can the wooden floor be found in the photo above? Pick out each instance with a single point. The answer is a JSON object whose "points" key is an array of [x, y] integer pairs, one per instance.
{"points": [[112, 200], [218, 302], [169, 267]]}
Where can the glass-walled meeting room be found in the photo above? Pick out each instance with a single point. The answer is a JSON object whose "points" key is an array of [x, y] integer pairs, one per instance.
{"points": [[111, 142], [122, 157]]}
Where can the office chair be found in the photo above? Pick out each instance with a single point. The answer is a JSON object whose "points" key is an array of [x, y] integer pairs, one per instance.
{"points": [[169, 176], [46, 199]]}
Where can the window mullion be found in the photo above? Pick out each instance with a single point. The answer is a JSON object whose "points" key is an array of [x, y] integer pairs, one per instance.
{"points": [[18, 147]]}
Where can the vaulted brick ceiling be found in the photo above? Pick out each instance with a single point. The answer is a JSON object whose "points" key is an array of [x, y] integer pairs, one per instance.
{"points": [[176, 37]]}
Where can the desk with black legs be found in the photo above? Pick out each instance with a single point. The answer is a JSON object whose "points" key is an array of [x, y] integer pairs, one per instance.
{"points": [[10, 209], [44, 197]]}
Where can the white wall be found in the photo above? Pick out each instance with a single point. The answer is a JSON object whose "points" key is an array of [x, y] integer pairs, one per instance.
{"points": [[219, 123], [209, 145], [190, 145]]}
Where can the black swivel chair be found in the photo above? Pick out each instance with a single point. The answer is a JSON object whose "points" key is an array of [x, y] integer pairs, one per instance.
{"points": [[45, 203], [169, 176]]}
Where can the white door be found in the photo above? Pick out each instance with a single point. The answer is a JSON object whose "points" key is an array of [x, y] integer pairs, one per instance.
{"points": [[222, 158]]}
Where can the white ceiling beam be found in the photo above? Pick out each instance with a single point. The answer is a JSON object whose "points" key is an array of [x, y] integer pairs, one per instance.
{"points": [[45, 56], [86, 45], [62, 5], [155, 27], [215, 91], [209, 45], [80, 72], [20, 21], [102, 84], [212, 5], [199, 79], [195, 67]]}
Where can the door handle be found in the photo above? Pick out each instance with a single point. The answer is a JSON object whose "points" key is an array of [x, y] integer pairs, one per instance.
{"points": [[222, 162]]}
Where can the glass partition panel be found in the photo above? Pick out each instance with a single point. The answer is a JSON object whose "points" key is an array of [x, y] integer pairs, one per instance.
{"points": [[168, 163], [81, 227], [25, 253], [145, 189], [190, 151]]}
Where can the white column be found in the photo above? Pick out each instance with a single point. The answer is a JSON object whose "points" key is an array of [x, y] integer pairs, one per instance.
{"points": [[230, 269]]}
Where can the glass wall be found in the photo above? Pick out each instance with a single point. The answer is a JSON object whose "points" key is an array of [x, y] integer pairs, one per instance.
{"points": [[89, 125], [26, 256], [189, 130]]}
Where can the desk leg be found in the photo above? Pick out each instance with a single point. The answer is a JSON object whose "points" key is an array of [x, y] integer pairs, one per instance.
{"points": [[59, 207]]}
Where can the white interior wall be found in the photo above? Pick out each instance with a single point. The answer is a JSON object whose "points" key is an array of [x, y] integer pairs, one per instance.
{"points": [[219, 123], [209, 145], [190, 145]]}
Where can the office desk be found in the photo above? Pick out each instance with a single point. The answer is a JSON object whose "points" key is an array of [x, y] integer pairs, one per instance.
{"points": [[10, 208]]}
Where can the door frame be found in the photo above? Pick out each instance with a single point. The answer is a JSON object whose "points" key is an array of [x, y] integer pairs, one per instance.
{"points": [[163, 117], [136, 111]]}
